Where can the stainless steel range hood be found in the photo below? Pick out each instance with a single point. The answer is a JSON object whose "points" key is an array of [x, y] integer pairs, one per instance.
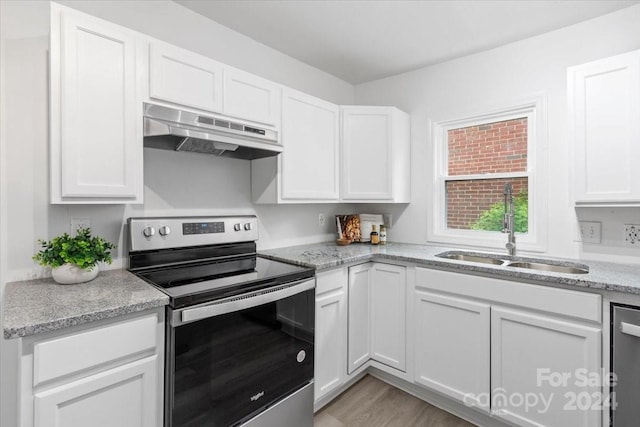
{"points": [[171, 129]]}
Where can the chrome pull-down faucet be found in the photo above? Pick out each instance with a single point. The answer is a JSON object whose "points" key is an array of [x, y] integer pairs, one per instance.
{"points": [[509, 220]]}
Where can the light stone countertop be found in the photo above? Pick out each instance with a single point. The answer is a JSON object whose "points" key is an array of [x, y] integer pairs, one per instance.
{"points": [[602, 275], [36, 306]]}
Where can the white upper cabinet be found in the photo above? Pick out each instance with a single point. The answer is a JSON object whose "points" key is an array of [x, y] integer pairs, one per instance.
{"points": [[193, 81], [604, 98], [310, 137], [251, 98], [182, 77], [375, 155], [95, 110]]}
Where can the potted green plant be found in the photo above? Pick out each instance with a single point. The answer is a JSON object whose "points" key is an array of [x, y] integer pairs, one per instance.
{"points": [[74, 259]]}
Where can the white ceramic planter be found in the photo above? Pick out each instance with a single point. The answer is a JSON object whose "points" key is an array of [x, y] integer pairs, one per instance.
{"points": [[70, 274]]}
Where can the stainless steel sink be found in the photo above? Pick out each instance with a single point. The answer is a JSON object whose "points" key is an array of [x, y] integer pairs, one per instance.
{"points": [[471, 258], [577, 269], [507, 261]]}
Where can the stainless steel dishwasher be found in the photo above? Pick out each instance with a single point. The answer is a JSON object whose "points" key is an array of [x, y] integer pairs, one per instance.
{"points": [[625, 363]]}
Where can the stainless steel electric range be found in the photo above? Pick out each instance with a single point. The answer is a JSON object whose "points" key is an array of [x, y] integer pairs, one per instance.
{"points": [[240, 327]]}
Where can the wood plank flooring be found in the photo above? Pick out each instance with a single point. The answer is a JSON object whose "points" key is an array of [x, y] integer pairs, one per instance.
{"points": [[374, 403]]}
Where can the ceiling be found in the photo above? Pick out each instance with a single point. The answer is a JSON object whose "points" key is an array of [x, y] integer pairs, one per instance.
{"points": [[360, 41]]}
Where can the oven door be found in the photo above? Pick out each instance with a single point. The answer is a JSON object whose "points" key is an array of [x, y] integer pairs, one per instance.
{"points": [[229, 360]]}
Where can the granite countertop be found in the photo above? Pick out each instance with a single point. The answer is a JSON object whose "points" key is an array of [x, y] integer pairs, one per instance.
{"points": [[36, 306], [602, 275]]}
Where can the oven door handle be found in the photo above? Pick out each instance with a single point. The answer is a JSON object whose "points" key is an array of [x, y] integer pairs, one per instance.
{"points": [[240, 302]]}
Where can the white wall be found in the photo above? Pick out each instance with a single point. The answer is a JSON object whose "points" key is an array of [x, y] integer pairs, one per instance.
{"points": [[498, 77]]}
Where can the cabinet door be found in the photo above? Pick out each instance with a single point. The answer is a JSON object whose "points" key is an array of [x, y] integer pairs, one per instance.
{"points": [[388, 315], [185, 78], [330, 333], [452, 347], [250, 97], [96, 115], [124, 396], [532, 355], [310, 136], [359, 316], [605, 97], [366, 153]]}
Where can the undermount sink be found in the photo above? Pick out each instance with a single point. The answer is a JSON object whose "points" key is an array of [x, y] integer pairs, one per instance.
{"points": [[503, 260], [471, 258], [577, 269]]}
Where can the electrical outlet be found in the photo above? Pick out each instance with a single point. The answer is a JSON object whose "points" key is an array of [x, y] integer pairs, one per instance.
{"points": [[632, 235], [590, 231], [321, 219], [79, 223]]}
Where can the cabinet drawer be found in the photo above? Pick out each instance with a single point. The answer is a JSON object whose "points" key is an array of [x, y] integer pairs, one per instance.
{"points": [[62, 356], [333, 280], [576, 304]]}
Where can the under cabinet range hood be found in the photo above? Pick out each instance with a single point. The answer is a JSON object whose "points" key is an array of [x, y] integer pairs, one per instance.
{"points": [[172, 129]]}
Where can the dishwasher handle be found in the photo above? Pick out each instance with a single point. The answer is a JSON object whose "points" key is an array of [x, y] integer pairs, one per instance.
{"points": [[240, 302], [630, 329]]}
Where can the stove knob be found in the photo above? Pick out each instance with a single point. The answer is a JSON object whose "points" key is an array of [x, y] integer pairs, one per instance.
{"points": [[247, 226], [237, 227], [164, 230], [149, 231]]}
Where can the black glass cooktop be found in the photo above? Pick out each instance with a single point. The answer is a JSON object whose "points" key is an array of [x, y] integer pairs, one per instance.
{"points": [[197, 282]]}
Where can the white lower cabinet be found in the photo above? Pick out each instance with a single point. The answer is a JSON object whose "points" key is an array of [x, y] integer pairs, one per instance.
{"points": [[547, 360], [389, 315], [123, 396], [100, 375], [377, 315], [529, 355], [452, 347], [330, 332], [359, 316]]}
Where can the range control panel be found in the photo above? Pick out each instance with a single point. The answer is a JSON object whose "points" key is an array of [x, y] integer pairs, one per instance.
{"points": [[176, 232]]}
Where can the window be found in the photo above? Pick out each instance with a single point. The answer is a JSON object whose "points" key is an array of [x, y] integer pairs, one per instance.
{"points": [[474, 159]]}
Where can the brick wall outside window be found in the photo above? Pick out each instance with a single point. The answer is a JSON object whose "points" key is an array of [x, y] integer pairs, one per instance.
{"points": [[498, 147], [466, 200]]}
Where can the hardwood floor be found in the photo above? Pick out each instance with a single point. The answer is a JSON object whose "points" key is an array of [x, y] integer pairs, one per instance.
{"points": [[373, 403]]}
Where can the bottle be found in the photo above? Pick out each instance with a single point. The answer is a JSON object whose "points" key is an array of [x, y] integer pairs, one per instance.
{"points": [[383, 235], [375, 238]]}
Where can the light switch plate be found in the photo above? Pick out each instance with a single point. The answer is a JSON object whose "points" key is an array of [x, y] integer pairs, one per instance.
{"points": [[590, 231]]}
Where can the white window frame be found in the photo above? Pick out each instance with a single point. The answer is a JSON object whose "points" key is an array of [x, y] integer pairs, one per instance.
{"points": [[535, 238]]}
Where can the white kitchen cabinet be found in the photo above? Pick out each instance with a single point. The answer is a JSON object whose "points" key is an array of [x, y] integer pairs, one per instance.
{"points": [[100, 375], [308, 169], [192, 81], [249, 97], [529, 353], [493, 344], [388, 315], [182, 77], [375, 155], [377, 315], [359, 316], [604, 98], [95, 110], [452, 347], [123, 396], [330, 332]]}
